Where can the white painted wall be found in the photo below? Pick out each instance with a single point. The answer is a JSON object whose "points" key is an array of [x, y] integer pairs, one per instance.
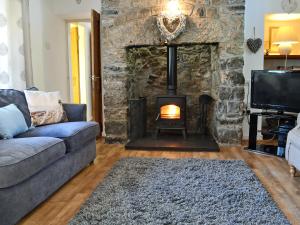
{"points": [[69, 9], [254, 17], [55, 53], [36, 36], [48, 20]]}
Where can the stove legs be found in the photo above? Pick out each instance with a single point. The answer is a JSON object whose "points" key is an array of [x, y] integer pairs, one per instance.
{"points": [[184, 134], [156, 133], [183, 130]]}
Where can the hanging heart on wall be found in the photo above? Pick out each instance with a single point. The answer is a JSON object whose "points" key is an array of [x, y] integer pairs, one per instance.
{"points": [[254, 44], [171, 27]]}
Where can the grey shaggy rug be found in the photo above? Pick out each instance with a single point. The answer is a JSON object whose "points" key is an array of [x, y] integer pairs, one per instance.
{"points": [[186, 191]]}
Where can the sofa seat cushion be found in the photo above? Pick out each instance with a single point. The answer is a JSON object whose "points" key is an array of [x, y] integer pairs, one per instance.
{"points": [[23, 157], [75, 134]]}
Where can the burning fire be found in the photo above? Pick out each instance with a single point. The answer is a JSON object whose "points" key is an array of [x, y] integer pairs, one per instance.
{"points": [[171, 112]]}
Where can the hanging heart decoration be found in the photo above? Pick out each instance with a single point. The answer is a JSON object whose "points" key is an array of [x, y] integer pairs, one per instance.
{"points": [[254, 44], [171, 27]]}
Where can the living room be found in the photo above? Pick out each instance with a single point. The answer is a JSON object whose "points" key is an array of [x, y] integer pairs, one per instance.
{"points": [[149, 112]]}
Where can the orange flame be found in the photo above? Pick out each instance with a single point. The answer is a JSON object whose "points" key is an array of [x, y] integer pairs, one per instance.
{"points": [[171, 112]]}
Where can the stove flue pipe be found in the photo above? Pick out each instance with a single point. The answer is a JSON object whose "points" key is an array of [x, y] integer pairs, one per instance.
{"points": [[172, 70]]}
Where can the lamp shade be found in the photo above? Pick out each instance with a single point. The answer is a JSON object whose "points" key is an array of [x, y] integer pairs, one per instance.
{"points": [[286, 35]]}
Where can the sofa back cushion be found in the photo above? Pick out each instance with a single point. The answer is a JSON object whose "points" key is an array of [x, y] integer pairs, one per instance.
{"points": [[10, 96]]}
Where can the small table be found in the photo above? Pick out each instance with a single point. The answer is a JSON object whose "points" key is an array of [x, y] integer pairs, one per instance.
{"points": [[282, 132]]}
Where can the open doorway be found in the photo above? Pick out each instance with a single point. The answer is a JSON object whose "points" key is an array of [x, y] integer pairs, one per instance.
{"points": [[281, 52], [85, 65], [282, 41], [80, 64]]}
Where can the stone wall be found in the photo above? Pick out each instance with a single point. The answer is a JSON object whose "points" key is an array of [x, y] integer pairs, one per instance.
{"points": [[129, 23]]}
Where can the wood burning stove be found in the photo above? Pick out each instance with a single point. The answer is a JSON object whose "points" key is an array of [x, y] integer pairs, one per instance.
{"points": [[171, 113], [171, 108]]}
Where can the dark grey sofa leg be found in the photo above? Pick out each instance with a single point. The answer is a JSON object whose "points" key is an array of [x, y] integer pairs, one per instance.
{"points": [[94, 162]]}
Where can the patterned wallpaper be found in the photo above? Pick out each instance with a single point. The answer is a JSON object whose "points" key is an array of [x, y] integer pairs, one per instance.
{"points": [[12, 63]]}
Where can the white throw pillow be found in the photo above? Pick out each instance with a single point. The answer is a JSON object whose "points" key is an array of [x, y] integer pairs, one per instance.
{"points": [[45, 107]]}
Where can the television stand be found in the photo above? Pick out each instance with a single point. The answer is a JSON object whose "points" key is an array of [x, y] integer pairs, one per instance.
{"points": [[266, 149]]}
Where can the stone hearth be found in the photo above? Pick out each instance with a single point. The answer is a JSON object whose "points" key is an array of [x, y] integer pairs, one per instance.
{"points": [[210, 60]]}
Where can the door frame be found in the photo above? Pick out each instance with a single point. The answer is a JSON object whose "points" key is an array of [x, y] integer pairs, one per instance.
{"points": [[97, 78]]}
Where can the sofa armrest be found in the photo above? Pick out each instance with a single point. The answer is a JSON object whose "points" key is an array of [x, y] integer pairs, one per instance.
{"points": [[75, 112]]}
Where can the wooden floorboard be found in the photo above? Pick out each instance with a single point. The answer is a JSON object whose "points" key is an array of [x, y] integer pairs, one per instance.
{"points": [[273, 172]]}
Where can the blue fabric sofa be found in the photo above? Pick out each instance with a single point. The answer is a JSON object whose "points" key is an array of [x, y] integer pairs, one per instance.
{"points": [[35, 164]]}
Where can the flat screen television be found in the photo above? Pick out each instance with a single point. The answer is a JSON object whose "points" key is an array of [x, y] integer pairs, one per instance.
{"points": [[275, 90]]}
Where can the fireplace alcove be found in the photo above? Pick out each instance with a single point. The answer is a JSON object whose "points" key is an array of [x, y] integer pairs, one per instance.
{"points": [[172, 115], [130, 35]]}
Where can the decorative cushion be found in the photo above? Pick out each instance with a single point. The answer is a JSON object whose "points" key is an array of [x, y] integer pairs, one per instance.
{"points": [[45, 107], [12, 122], [75, 134], [21, 158], [10, 96]]}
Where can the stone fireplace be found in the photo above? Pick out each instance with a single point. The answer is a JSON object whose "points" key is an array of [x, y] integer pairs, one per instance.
{"points": [[210, 62], [197, 74]]}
